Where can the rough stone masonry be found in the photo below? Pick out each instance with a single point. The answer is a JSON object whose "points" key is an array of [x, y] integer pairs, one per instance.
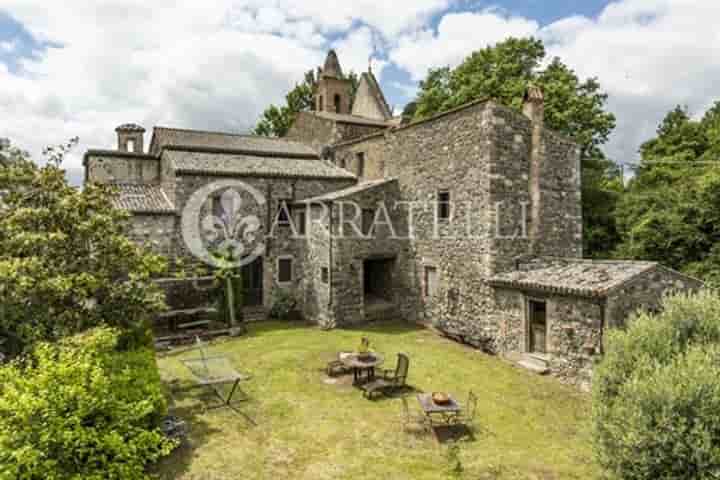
{"points": [[469, 221]]}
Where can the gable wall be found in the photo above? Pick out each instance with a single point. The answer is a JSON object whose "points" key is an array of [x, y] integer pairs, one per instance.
{"points": [[366, 105], [117, 169]]}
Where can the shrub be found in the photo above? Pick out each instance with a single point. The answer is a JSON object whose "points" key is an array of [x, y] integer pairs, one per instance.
{"points": [[81, 409], [656, 394], [283, 304]]}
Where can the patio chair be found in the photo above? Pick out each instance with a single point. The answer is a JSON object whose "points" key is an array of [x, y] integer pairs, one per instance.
{"points": [[413, 418], [337, 367], [467, 416], [388, 380]]}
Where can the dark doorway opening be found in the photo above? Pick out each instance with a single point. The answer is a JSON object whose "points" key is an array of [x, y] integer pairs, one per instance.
{"points": [[537, 326], [377, 280], [252, 275]]}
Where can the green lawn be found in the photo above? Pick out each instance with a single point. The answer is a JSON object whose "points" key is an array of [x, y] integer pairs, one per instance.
{"points": [[527, 426]]}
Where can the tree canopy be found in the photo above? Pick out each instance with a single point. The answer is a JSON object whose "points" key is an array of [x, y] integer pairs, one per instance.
{"points": [[574, 107], [66, 264], [275, 121], [671, 209]]}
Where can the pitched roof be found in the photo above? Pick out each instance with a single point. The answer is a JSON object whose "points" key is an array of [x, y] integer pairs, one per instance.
{"points": [[347, 192], [354, 119], [377, 93], [239, 164], [332, 65], [579, 277], [164, 137], [142, 199]]}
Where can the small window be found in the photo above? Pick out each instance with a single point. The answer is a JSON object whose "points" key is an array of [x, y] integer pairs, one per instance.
{"points": [[443, 205], [131, 145], [285, 269], [320, 104], [300, 222], [431, 281], [283, 215], [368, 218], [337, 103], [360, 156], [341, 163], [325, 275]]}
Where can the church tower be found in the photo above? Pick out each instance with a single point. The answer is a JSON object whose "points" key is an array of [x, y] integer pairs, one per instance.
{"points": [[333, 90]]}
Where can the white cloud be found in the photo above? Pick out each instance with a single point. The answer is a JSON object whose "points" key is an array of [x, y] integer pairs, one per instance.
{"points": [[457, 35], [8, 46], [212, 64]]}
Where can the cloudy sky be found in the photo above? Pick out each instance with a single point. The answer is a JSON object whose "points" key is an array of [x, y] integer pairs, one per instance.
{"points": [[82, 67]]}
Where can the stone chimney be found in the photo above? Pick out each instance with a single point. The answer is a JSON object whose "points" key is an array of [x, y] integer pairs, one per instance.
{"points": [[534, 109], [130, 138]]}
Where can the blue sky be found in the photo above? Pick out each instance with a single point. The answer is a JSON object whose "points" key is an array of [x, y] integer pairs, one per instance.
{"points": [[83, 67]]}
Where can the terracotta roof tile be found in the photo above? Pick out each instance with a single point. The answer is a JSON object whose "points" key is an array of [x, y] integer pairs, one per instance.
{"points": [[142, 199]]}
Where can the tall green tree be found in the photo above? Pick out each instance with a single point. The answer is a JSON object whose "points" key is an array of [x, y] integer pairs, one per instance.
{"points": [[671, 210], [276, 121], [66, 264], [574, 107]]}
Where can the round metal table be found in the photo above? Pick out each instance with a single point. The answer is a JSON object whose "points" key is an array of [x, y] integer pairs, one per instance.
{"points": [[360, 365]]}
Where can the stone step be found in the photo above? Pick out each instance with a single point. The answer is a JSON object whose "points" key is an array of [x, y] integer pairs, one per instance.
{"points": [[537, 363], [534, 365]]}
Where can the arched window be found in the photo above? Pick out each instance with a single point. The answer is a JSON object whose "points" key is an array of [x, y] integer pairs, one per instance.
{"points": [[337, 103], [320, 104]]}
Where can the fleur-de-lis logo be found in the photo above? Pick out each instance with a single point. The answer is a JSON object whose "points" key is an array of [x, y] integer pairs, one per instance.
{"points": [[227, 229]]}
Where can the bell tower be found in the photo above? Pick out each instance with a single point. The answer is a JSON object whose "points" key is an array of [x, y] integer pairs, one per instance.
{"points": [[333, 90]]}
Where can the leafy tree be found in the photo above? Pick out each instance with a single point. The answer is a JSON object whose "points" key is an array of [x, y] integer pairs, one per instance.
{"points": [[81, 409], [671, 211], [574, 107], [65, 262], [277, 120], [656, 394]]}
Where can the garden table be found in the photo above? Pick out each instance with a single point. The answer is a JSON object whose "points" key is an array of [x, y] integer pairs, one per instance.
{"points": [[445, 413], [362, 363]]}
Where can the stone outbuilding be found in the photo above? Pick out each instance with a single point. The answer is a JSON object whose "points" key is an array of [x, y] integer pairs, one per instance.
{"points": [[557, 310]]}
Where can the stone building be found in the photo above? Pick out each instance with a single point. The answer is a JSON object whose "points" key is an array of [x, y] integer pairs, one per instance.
{"points": [[469, 221]]}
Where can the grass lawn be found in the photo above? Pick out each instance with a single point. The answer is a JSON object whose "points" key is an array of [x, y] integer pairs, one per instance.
{"points": [[528, 427]]}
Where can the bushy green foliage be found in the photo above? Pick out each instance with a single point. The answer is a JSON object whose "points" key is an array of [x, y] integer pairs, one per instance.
{"points": [[283, 303], [80, 409], [671, 210], [65, 262], [656, 394], [576, 108]]}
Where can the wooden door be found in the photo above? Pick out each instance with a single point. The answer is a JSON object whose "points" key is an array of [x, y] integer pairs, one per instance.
{"points": [[537, 326]]}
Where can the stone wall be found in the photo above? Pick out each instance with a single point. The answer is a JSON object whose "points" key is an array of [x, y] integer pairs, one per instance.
{"points": [[375, 150], [573, 335], [646, 292], [320, 132], [282, 242], [350, 252], [120, 167]]}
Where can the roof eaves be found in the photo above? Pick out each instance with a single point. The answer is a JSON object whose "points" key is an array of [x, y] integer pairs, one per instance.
{"points": [[225, 173], [240, 151]]}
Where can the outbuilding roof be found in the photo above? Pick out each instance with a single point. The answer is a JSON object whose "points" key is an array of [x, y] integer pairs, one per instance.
{"points": [[142, 199], [239, 164], [569, 276]]}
